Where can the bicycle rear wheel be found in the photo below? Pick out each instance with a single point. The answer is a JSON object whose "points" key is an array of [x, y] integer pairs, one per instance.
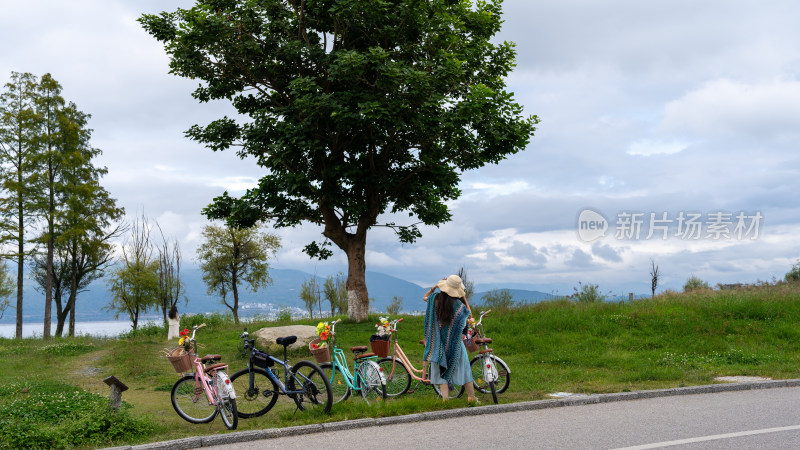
{"points": [[503, 374], [455, 392], [339, 386], [190, 401], [255, 401], [309, 378], [494, 391], [397, 381], [371, 381], [225, 404]]}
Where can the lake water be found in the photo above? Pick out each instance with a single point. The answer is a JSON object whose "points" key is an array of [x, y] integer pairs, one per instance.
{"points": [[109, 328]]}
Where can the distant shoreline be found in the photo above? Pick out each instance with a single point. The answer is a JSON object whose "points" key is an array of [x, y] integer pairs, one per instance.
{"points": [[100, 328]]}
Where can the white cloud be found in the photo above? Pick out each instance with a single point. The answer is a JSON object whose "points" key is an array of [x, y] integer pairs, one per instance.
{"points": [[765, 109], [639, 100], [648, 147]]}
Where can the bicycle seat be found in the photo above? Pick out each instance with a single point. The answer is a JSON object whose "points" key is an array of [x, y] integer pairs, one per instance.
{"points": [[364, 355], [482, 340], [286, 340], [488, 350], [210, 358], [358, 348], [215, 366]]}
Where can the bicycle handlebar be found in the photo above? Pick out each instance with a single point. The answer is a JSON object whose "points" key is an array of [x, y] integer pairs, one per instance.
{"points": [[194, 330]]}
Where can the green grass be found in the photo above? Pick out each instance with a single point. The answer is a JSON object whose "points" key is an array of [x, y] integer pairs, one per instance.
{"points": [[670, 341]]}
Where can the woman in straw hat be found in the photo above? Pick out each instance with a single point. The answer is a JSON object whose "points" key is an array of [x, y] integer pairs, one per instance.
{"points": [[445, 318]]}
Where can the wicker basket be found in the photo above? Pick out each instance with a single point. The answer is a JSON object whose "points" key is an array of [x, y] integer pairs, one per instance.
{"points": [[181, 361], [321, 355], [380, 347], [471, 346]]}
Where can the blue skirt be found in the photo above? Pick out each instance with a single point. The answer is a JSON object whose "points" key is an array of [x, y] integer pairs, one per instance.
{"points": [[461, 375]]}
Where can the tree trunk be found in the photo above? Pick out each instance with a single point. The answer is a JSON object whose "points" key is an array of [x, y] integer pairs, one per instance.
{"points": [[354, 245], [60, 314], [20, 278], [48, 296], [235, 308], [357, 296], [73, 297]]}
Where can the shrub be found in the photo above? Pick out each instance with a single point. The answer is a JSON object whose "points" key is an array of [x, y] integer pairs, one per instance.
{"points": [[588, 293], [212, 320], [284, 315], [53, 415], [394, 308], [146, 329], [498, 299], [793, 275], [694, 283]]}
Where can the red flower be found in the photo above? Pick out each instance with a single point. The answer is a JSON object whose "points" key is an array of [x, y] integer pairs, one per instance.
{"points": [[185, 332], [314, 346], [324, 336]]}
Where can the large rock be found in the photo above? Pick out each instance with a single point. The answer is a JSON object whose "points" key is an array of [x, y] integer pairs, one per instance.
{"points": [[265, 337]]}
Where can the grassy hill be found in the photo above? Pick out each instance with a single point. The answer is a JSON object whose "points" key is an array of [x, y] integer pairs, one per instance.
{"points": [[553, 346]]}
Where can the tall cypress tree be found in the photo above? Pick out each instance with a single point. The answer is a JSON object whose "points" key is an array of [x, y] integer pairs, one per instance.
{"points": [[49, 160], [19, 143]]}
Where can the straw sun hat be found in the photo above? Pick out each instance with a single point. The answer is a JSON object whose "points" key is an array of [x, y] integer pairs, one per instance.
{"points": [[452, 286]]}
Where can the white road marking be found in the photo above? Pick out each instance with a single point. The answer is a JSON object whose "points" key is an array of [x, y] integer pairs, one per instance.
{"points": [[711, 438]]}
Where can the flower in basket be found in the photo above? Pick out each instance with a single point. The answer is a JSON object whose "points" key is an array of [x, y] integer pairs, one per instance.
{"points": [[184, 340], [324, 333], [383, 326]]}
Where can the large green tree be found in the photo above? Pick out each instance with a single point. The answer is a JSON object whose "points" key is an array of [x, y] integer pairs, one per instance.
{"points": [[19, 143], [354, 109], [232, 256], [85, 217]]}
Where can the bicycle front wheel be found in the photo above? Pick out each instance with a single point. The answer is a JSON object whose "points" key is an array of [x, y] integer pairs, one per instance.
{"points": [[398, 380], [190, 401], [339, 386], [316, 392], [371, 381], [256, 400]]}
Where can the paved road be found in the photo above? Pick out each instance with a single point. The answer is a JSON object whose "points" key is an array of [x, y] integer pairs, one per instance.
{"points": [[768, 418]]}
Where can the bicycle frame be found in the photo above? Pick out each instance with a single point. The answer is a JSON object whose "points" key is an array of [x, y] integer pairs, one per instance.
{"points": [[201, 378], [339, 362], [489, 367], [397, 353]]}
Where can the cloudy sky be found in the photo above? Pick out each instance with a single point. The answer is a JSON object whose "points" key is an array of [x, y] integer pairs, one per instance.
{"points": [[672, 125]]}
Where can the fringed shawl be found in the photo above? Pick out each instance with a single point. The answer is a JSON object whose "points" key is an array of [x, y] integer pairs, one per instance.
{"points": [[441, 342]]}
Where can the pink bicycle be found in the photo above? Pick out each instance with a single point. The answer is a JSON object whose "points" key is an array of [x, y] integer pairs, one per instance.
{"points": [[198, 397]]}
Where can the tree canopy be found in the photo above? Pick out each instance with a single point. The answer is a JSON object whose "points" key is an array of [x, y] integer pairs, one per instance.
{"points": [[231, 256], [353, 108]]}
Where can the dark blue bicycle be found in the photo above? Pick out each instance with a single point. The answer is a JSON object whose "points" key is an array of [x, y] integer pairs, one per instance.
{"points": [[259, 385]]}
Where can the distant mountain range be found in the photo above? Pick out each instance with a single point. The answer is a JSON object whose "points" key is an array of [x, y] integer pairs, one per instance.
{"points": [[284, 292]]}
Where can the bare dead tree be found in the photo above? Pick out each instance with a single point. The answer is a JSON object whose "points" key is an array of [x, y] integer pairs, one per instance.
{"points": [[170, 286], [469, 286], [653, 277]]}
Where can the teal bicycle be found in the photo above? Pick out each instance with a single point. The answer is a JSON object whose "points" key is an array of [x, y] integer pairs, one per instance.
{"points": [[367, 376]]}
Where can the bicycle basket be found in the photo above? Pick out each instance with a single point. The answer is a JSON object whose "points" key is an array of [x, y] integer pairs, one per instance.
{"points": [[260, 359], [180, 359]]}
